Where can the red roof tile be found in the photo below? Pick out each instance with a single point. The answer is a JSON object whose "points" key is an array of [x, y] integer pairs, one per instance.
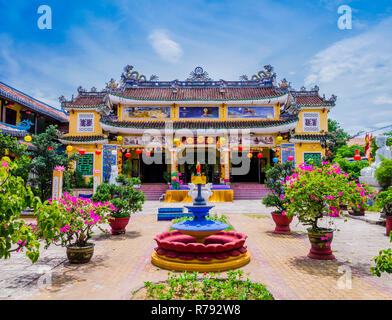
{"points": [[10, 93], [311, 100], [198, 93], [10, 130], [86, 101]]}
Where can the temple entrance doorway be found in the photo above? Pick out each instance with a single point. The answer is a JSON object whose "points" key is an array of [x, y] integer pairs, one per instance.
{"points": [[153, 173], [257, 167]]}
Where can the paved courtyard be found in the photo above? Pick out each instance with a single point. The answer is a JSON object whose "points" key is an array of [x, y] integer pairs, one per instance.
{"points": [[122, 263]]}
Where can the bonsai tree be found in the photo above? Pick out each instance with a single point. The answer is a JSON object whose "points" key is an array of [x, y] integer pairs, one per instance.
{"points": [[312, 192], [123, 196], [69, 222], [15, 235], [274, 177]]}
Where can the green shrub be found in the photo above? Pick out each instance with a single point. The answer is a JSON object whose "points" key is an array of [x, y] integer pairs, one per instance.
{"points": [[384, 200], [124, 197], [352, 168], [274, 177], [191, 286], [384, 173]]}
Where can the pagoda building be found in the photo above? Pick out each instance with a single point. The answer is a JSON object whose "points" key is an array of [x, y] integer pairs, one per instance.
{"points": [[132, 124], [21, 114]]}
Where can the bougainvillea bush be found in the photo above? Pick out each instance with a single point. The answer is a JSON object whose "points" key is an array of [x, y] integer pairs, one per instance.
{"points": [[311, 192], [70, 220], [15, 234]]}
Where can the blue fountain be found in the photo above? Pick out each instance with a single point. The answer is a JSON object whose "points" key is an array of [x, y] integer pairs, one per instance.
{"points": [[199, 227]]}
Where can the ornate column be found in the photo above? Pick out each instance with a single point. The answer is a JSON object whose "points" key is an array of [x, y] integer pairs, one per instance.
{"points": [[57, 183], [225, 163], [174, 160]]}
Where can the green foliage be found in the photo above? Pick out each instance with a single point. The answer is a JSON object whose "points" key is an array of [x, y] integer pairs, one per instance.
{"points": [[353, 168], [383, 261], [338, 138], [384, 200], [214, 217], [167, 177], [15, 235], [191, 286], [123, 196], [313, 191], [127, 168], [349, 151], [384, 173], [44, 161], [274, 176]]}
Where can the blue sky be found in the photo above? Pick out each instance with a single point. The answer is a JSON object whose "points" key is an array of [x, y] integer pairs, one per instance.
{"points": [[91, 41]]}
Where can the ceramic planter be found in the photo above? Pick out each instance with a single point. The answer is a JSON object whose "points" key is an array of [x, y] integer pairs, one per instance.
{"points": [[80, 254], [118, 224], [356, 212], [388, 224], [282, 223], [320, 244]]}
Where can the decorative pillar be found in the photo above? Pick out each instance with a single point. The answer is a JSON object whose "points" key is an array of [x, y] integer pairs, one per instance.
{"points": [[96, 179], [174, 160], [57, 183], [225, 165]]}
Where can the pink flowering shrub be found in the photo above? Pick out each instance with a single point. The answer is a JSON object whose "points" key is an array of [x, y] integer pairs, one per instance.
{"points": [[70, 220], [312, 191]]}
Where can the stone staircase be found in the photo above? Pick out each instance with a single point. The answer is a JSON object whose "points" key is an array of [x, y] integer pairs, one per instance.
{"points": [[153, 191], [249, 191]]}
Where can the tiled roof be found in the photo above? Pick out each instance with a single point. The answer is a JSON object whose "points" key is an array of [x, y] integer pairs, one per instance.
{"points": [[10, 93], [198, 124], [87, 138], [310, 137], [358, 141], [311, 98], [81, 102], [199, 93], [10, 130]]}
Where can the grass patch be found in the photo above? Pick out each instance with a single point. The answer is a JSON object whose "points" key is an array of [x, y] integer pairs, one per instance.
{"points": [[193, 286], [257, 216]]}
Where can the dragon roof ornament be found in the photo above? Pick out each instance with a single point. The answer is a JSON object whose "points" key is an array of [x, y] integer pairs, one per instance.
{"points": [[198, 75]]}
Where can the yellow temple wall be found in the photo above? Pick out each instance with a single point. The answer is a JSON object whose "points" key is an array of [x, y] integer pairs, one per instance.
{"points": [[323, 116], [73, 123]]}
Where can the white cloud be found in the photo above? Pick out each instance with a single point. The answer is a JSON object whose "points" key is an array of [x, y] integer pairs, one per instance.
{"points": [[359, 71], [168, 49]]}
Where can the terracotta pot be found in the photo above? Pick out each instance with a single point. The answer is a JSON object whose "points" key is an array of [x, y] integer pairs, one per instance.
{"points": [[80, 254], [321, 248], [118, 225], [388, 223], [357, 212], [282, 223], [344, 207]]}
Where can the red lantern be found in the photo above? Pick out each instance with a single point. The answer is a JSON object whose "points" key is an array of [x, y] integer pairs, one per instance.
{"points": [[82, 151], [138, 151], [259, 155], [98, 152], [239, 148], [127, 155], [50, 148], [290, 158], [357, 156]]}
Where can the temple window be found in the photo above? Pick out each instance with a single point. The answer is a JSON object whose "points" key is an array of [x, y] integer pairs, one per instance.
{"points": [[313, 158], [86, 164], [311, 121], [86, 122]]}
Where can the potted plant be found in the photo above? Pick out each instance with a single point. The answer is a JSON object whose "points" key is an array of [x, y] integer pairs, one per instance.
{"points": [[384, 200], [312, 192], [358, 208], [275, 176], [69, 222], [124, 198]]}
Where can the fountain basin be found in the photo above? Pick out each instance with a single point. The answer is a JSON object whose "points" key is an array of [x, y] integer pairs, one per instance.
{"points": [[181, 252]]}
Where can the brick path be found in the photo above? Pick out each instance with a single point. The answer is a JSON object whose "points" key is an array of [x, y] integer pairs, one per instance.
{"points": [[122, 263]]}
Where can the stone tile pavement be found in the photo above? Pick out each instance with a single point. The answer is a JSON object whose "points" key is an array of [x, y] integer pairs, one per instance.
{"points": [[122, 263]]}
